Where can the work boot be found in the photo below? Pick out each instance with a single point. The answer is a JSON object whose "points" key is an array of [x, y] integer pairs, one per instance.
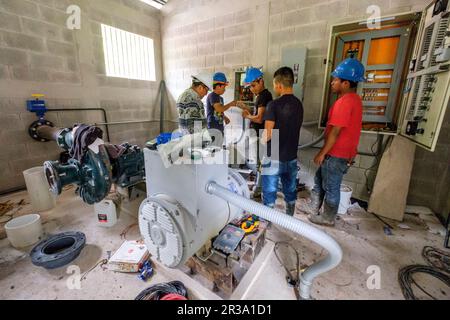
{"points": [[312, 205], [290, 209], [326, 218], [257, 193]]}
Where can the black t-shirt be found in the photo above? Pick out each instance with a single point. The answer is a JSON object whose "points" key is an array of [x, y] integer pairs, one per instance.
{"points": [[287, 113], [214, 118], [263, 99]]}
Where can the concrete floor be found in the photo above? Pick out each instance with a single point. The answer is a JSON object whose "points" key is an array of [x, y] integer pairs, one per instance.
{"points": [[361, 236]]}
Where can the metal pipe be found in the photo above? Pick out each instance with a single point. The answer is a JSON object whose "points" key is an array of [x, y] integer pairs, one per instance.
{"points": [[47, 132], [105, 117], [124, 122], [162, 91]]}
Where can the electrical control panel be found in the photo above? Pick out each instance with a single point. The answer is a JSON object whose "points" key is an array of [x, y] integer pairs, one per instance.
{"points": [[407, 61], [384, 51], [241, 91], [427, 94]]}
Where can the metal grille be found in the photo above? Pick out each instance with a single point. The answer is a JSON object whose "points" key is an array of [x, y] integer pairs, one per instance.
{"points": [[426, 46], [414, 100], [128, 55], [440, 38]]}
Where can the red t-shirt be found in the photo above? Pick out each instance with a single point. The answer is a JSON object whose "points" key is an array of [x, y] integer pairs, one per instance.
{"points": [[346, 113]]}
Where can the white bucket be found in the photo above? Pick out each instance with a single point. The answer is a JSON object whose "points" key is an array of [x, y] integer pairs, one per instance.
{"points": [[38, 189], [345, 203], [24, 231]]}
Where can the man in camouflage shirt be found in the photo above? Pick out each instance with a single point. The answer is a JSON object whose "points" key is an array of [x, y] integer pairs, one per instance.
{"points": [[191, 111]]}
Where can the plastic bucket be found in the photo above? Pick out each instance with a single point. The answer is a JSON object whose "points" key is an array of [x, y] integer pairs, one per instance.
{"points": [[24, 231], [345, 203], [38, 189]]}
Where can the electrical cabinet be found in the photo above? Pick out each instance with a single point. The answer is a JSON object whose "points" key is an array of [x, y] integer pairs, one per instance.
{"points": [[428, 82], [407, 61]]}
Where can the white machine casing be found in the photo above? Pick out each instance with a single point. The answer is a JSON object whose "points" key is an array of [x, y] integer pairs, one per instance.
{"points": [[179, 217]]}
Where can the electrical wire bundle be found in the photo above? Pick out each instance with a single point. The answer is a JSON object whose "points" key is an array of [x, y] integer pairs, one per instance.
{"points": [[438, 260], [174, 290], [291, 279]]}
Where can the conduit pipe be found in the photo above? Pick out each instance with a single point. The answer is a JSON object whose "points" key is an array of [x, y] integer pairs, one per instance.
{"points": [[303, 229]]}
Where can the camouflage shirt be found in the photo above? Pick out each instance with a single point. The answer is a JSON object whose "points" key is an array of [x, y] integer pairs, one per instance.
{"points": [[190, 110]]}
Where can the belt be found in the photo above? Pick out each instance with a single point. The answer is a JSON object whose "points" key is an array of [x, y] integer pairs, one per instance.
{"points": [[350, 162]]}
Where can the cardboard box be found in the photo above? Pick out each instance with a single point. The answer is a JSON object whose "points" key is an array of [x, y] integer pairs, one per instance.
{"points": [[130, 257]]}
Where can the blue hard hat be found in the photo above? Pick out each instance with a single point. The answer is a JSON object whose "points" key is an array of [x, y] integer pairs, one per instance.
{"points": [[253, 74], [350, 69], [220, 78]]}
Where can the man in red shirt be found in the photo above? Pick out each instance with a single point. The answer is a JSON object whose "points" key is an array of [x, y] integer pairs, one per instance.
{"points": [[341, 143]]}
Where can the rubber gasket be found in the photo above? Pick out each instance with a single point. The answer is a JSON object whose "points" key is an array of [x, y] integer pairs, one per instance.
{"points": [[58, 250]]}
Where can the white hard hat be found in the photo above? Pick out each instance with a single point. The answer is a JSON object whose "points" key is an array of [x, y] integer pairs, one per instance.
{"points": [[205, 78]]}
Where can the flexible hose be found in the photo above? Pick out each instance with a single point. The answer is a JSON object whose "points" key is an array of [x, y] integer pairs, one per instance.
{"points": [[334, 256]]}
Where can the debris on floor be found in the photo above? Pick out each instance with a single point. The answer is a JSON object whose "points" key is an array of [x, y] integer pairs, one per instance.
{"points": [[403, 226], [146, 271], [433, 224], [101, 263], [418, 210], [9, 209], [438, 267]]}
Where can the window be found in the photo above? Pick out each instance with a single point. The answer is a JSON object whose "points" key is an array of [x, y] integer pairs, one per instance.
{"points": [[128, 55]]}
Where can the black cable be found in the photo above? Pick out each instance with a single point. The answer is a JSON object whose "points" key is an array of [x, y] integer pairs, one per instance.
{"points": [[295, 278], [406, 280], [158, 291], [437, 258]]}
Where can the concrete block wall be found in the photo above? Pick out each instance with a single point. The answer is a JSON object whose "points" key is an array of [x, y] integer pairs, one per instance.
{"points": [[38, 54], [220, 35], [430, 183]]}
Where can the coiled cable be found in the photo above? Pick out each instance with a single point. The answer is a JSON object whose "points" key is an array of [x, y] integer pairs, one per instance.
{"points": [[158, 291]]}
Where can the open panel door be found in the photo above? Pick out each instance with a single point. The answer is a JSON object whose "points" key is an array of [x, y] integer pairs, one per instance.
{"points": [[427, 93], [385, 52]]}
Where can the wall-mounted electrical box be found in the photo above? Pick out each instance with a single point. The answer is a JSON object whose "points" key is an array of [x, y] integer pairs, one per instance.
{"points": [[428, 82], [407, 69], [295, 58]]}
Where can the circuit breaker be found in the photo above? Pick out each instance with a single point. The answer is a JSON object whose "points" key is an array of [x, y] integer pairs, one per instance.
{"points": [[427, 95]]}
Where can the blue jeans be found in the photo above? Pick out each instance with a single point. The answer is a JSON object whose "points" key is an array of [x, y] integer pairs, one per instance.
{"points": [[328, 180], [272, 171]]}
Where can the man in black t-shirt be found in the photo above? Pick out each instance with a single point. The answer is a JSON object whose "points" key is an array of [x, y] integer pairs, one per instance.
{"points": [[254, 79], [284, 114]]}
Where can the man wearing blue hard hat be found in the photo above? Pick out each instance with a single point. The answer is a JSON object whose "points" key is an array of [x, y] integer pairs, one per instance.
{"points": [[341, 143], [254, 79], [215, 106]]}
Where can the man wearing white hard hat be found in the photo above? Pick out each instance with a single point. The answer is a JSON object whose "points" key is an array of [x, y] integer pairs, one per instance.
{"points": [[191, 111]]}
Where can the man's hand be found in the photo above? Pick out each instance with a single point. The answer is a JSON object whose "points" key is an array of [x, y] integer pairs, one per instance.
{"points": [[319, 159], [241, 105], [227, 121]]}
